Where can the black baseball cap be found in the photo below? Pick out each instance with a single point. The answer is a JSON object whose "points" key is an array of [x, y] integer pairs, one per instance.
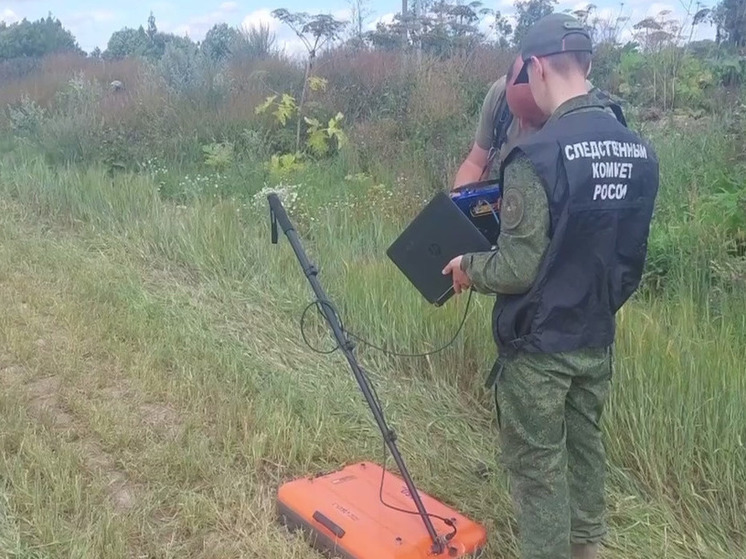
{"points": [[553, 34]]}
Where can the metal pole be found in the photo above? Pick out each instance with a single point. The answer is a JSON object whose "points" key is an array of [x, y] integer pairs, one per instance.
{"points": [[278, 214]]}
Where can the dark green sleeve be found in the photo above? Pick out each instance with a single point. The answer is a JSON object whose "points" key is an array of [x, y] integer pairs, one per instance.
{"points": [[524, 235]]}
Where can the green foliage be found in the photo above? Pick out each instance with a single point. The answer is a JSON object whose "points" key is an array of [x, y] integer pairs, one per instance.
{"points": [[316, 83], [26, 117], [314, 31], [150, 44], [180, 68], [70, 129], [725, 209], [189, 73], [730, 18], [527, 13], [667, 79], [188, 175], [605, 70], [36, 39], [692, 84], [284, 109], [282, 167], [257, 42], [79, 95], [218, 155], [441, 29], [319, 137], [127, 42], [220, 41], [730, 69]]}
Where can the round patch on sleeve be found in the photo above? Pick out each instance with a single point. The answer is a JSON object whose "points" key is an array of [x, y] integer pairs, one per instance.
{"points": [[511, 212]]}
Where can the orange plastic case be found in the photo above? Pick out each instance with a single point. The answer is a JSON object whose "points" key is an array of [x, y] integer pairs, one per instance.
{"points": [[343, 516]]}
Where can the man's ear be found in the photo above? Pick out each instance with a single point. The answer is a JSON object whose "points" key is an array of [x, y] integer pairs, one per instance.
{"points": [[590, 67], [538, 67]]}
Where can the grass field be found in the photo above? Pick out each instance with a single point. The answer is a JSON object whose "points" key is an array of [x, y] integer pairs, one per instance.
{"points": [[155, 388]]}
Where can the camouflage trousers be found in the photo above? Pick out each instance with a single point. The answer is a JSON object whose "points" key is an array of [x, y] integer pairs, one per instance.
{"points": [[549, 411]]}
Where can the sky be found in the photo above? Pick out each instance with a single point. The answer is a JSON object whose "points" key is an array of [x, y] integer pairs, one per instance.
{"points": [[93, 22]]}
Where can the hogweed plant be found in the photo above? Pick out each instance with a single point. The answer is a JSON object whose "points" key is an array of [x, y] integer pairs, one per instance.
{"points": [[320, 137]]}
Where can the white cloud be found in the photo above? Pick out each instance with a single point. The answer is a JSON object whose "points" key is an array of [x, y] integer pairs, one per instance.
{"points": [[640, 3], [564, 5], [229, 7], [80, 19], [607, 14], [642, 10], [285, 39], [197, 27], [9, 16], [634, 10], [657, 7], [343, 15], [292, 47], [385, 18], [86, 26], [261, 17], [183, 30]]}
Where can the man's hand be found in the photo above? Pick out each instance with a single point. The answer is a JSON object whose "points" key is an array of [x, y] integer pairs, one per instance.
{"points": [[460, 280]]}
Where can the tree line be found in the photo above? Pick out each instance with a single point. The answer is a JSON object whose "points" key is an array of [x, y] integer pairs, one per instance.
{"points": [[435, 27]]}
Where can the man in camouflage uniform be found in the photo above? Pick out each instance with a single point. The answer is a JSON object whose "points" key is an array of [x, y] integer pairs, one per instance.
{"points": [[570, 253]]}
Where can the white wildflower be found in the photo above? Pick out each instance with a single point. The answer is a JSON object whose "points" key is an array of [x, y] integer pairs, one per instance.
{"points": [[287, 193]]}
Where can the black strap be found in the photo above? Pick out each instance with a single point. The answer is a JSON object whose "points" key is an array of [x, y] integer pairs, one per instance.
{"points": [[503, 119], [497, 369], [618, 113], [608, 102], [505, 353]]}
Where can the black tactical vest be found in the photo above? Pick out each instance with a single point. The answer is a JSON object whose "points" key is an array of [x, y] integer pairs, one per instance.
{"points": [[601, 182]]}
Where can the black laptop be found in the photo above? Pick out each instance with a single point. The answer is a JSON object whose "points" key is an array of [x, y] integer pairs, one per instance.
{"points": [[439, 233]]}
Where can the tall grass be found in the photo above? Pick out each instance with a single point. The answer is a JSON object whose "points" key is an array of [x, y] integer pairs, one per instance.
{"points": [[194, 301], [676, 421]]}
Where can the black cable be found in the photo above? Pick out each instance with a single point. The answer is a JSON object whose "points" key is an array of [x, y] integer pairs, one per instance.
{"points": [[446, 521], [376, 399], [387, 437], [318, 303], [397, 354]]}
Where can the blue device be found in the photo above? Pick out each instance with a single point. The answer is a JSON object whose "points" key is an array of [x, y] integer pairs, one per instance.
{"points": [[480, 201]]}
